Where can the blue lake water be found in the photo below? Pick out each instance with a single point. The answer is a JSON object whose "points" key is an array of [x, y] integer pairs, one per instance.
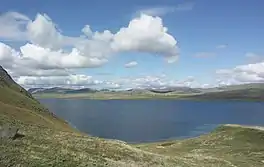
{"points": [[153, 120]]}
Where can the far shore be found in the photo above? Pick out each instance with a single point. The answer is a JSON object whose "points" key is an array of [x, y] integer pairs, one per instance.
{"points": [[110, 96], [121, 96]]}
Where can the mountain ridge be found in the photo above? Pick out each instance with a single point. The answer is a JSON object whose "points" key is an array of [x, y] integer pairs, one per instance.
{"points": [[175, 89]]}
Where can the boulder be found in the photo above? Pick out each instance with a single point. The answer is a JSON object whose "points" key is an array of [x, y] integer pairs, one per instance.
{"points": [[8, 132]]}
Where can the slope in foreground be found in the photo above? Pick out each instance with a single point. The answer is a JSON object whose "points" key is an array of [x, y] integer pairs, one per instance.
{"points": [[49, 141]]}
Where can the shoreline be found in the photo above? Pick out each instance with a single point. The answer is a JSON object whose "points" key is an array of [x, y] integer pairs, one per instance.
{"points": [[148, 98]]}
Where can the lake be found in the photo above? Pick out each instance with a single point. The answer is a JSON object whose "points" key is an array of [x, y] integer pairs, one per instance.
{"points": [[136, 121]]}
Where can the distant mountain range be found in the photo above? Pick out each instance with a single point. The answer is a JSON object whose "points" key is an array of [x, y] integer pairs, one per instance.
{"points": [[254, 90], [235, 94], [60, 90], [180, 90]]}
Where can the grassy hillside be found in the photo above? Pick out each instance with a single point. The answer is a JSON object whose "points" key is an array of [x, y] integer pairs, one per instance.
{"points": [[48, 141], [229, 145], [59, 90], [45, 140], [18, 107], [113, 95], [244, 86], [239, 94]]}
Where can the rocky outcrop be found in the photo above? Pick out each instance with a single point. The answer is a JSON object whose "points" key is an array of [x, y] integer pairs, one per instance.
{"points": [[7, 132]]}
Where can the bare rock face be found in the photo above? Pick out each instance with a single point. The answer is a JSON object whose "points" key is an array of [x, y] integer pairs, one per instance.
{"points": [[7, 132]]}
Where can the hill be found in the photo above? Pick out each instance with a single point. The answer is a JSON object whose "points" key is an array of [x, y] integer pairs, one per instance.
{"points": [[49, 90], [35, 90], [84, 90], [236, 94], [226, 146], [18, 107], [60, 90], [45, 140], [176, 90], [243, 86]]}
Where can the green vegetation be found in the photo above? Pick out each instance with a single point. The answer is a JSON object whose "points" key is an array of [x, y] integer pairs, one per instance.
{"points": [[18, 107], [228, 145], [249, 94], [48, 141], [45, 140], [244, 86], [112, 95], [244, 94]]}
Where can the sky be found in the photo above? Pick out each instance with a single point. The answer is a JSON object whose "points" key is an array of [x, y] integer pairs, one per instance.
{"points": [[132, 44]]}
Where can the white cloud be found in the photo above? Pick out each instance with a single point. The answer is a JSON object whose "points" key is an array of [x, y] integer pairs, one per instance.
{"points": [[87, 30], [7, 55], [18, 71], [13, 26], [49, 57], [249, 73], [159, 81], [81, 81], [111, 85], [131, 64], [46, 50], [146, 34], [43, 58], [44, 32], [71, 80]]}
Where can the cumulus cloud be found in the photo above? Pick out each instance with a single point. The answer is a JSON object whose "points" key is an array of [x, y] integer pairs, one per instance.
{"points": [[44, 58], [43, 32], [74, 80], [131, 64], [13, 26], [82, 81], [50, 57], [146, 34], [70, 81], [7, 55], [46, 47], [156, 82], [87, 30], [249, 73]]}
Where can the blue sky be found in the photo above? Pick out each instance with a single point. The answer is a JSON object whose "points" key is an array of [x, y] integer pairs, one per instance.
{"points": [[211, 35]]}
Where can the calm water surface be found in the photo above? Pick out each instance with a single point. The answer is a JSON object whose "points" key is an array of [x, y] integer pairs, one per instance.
{"points": [[153, 120]]}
